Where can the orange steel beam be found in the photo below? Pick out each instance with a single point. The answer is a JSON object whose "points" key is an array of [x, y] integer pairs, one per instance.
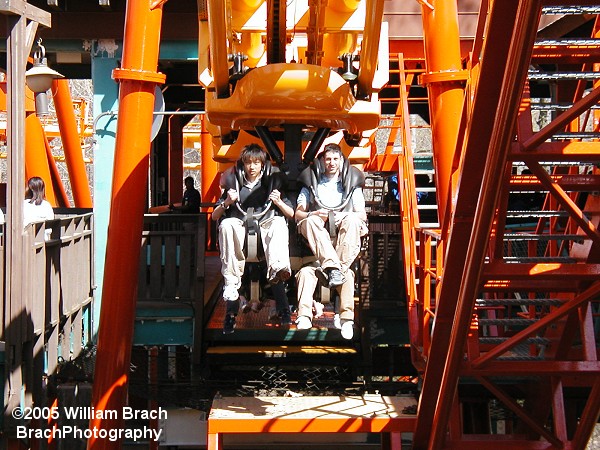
{"points": [[138, 79], [210, 177], [57, 184], [444, 79], [315, 31], [71, 143], [218, 42], [209, 168], [370, 47], [36, 162], [511, 32]]}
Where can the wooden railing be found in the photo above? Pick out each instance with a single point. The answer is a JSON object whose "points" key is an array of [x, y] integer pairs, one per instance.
{"points": [[171, 281], [51, 319]]}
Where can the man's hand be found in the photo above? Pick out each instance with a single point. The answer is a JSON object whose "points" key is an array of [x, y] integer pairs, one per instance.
{"points": [[275, 197], [232, 197], [322, 213]]}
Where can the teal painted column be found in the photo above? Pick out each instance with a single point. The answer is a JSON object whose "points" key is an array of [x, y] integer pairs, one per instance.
{"points": [[106, 95], [105, 57]]}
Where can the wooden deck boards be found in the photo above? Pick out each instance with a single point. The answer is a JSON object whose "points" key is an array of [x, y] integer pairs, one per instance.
{"points": [[326, 414]]}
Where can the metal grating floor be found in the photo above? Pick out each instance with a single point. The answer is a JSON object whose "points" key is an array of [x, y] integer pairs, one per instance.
{"points": [[260, 319]]}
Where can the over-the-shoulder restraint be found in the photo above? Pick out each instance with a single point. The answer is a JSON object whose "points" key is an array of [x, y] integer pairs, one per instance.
{"points": [[352, 178]]}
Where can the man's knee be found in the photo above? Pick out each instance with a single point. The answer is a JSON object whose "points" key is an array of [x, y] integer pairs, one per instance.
{"points": [[230, 226], [351, 221]]}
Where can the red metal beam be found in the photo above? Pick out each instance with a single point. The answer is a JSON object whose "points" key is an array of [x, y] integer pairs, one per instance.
{"points": [[565, 54], [512, 29], [553, 316], [567, 203], [508, 401], [497, 270], [587, 370], [584, 183], [589, 418], [559, 151], [562, 120]]}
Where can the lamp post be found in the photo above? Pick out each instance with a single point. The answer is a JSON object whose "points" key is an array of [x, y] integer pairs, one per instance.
{"points": [[39, 79]]}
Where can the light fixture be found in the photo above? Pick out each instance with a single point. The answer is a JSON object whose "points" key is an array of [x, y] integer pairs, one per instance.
{"points": [[39, 79]]}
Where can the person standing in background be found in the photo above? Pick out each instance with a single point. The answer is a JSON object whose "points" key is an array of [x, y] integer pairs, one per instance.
{"points": [[36, 208], [190, 204]]}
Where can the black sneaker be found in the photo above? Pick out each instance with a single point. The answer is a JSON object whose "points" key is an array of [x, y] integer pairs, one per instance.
{"points": [[336, 278], [245, 306], [285, 317], [322, 276], [228, 324]]}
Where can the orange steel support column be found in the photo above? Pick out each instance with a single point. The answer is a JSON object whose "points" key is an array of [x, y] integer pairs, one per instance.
{"points": [[444, 81], [138, 79], [209, 175], [60, 193], [71, 143], [36, 162]]}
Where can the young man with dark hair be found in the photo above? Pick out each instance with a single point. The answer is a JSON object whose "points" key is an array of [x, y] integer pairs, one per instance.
{"points": [[335, 257], [253, 192]]}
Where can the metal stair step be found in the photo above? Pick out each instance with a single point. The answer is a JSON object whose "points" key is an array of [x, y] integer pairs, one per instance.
{"points": [[519, 302], [535, 214], [520, 358], [577, 135], [570, 10], [569, 42], [543, 237], [515, 321], [562, 76], [541, 260], [500, 340], [555, 106]]}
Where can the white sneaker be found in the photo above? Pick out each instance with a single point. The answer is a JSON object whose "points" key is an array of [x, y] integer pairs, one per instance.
{"points": [[230, 293], [303, 323], [318, 309], [348, 329], [337, 323]]}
